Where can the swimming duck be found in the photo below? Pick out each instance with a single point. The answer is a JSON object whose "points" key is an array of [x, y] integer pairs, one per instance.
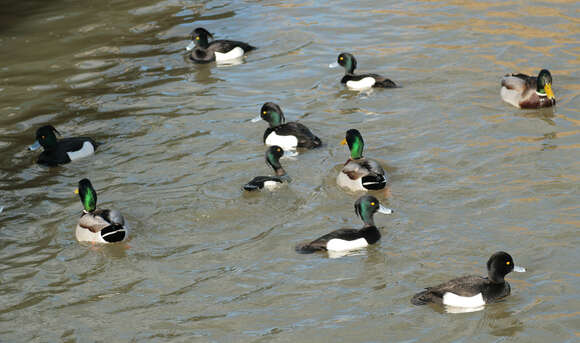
{"points": [[98, 225], [473, 291], [288, 136], [362, 81], [523, 91], [359, 173], [350, 239], [61, 151], [203, 51], [271, 183]]}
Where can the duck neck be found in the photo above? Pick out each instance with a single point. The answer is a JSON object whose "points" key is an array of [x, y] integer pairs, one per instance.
{"points": [[203, 42], [356, 149], [349, 67], [496, 278], [276, 118]]}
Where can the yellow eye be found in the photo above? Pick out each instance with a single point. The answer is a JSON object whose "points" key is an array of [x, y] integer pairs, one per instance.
{"points": [[341, 58], [43, 137], [508, 263], [373, 203], [278, 150], [264, 112], [197, 38]]}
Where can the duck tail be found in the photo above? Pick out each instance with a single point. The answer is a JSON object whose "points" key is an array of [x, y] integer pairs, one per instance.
{"points": [[422, 298], [374, 182], [316, 142], [306, 248], [250, 187]]}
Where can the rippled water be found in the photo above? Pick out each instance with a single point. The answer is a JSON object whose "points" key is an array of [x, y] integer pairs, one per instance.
{"points": [[470, 174]]}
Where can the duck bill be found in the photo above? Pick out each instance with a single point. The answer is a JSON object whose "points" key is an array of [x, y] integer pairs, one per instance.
{"points": [[77, 191], [256, 119], [190, 46], [519, 269], [549, 91], [343, 142], [34, 146], [384, 210], [333, 65]]}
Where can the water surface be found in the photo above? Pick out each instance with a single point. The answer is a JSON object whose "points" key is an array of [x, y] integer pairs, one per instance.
{"points": [[470, 175]]}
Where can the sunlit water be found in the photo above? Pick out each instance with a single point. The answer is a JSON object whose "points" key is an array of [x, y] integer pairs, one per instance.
{"points": [[470, 175]]}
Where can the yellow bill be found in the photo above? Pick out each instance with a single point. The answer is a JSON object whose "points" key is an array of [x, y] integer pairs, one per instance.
{"points": [[77, 191], [343, 142], [549, 92]]}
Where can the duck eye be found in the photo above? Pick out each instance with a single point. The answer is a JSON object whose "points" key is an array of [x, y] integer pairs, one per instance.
{"points": [[508, 263], [197, 38], [373, 203], [43, 137], [264, 112], [341, 58], [278, 150]]}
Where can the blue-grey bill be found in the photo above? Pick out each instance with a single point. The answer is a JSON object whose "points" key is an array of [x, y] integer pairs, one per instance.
{"points": [[519, 269], [34, 146], [256, 119], [190, 46], [385, 210], [333, 65]]}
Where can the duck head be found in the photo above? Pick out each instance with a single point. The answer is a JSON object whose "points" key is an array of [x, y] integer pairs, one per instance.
{"points": [[199, 38], [365, 208], [347, 61], [355, 142], [87, 194], [45, 137], [544, 87], [273, 155], [499, 265], [272, 113]]}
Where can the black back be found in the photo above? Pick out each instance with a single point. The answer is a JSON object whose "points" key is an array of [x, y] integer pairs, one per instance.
{"points": [[53, 156], [306, 139], [380, 82], [257, 183], [370, 233]]}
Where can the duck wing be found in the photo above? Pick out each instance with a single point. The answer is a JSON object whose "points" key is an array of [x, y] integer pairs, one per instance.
{"points": [[465, 286], [519, 82], [258, 182], [306, 139], [319, 244], [224, 46], [371, 172]]}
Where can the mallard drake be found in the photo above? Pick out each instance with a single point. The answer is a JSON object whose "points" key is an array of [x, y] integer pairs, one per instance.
{"points": [[63, 150], [271, 183], [350, 239], [473, 291], [288, 136], [523, 91], [361, 81], [203, 51], [98, 225], [359, 173]]}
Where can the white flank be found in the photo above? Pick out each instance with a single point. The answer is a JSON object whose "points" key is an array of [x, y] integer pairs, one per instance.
{"points": [[284, 142], [452, 299], [86, 235], [236, 52], [336, 244], [86, 150], [272, 185], [510, 96], [361, 84], [352, 185]]}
